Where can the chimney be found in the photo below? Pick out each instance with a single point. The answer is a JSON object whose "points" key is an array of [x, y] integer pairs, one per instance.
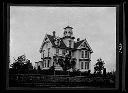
{"points": [[54, 33], [78, 39]]}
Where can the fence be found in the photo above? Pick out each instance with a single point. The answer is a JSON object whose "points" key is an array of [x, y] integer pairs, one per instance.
{"points": [[38, 80]]}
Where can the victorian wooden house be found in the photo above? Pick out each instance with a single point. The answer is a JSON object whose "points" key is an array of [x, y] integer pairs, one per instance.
{"points": [[53, 46]]}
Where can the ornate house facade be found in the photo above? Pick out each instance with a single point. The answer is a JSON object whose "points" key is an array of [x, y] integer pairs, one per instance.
{"points": [[53, 46]]}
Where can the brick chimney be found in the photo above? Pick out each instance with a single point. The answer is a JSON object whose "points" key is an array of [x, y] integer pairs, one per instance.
{"points": [[54, 33]]}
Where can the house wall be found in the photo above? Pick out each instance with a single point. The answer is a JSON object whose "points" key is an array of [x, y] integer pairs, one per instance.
{"points": [[66, 42], [77, 55]]}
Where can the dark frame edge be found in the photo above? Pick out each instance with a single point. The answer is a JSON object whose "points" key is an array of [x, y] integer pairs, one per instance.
{"points": [[8, 37]]}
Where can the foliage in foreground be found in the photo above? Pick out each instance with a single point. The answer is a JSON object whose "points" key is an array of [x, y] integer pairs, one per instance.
{"points": [[21, 65]]}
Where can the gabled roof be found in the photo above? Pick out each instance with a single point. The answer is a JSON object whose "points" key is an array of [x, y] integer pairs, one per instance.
{"points": [[62, 45], [88, 47], [77, 44], [51, 38]]}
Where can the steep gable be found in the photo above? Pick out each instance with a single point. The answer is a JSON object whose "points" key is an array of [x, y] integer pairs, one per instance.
{"points": [[77, 44], [52, 40], [84, 45], [43, 43]]}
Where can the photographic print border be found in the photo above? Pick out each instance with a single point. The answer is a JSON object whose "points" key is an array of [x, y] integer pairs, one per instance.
{"points": [[120, 38]]}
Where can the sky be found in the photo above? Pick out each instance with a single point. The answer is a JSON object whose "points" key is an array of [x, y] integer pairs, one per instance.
{"points": [[29, 24]]}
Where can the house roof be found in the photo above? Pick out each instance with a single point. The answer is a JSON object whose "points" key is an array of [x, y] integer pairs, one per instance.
{"points": [[62, 45], [77, 44]]}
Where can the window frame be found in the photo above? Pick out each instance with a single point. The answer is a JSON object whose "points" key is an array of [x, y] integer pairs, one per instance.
{"points": [[48, 63], [86, 54], [86, 65], [48, 51], [82, 54], [45, 63], [82, 65]]}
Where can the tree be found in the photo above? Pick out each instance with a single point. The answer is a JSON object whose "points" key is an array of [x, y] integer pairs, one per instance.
{"points": [[99, 66], [67, 62], [21, 65]]}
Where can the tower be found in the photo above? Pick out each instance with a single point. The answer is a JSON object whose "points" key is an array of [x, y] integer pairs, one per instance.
{"points": [[68, 31], [68, 38]]}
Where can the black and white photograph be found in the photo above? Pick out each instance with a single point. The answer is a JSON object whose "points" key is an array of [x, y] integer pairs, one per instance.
{"points": [[62, 47]]}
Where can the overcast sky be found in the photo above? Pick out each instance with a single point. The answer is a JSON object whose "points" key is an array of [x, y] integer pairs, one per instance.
{"points": [[28, 26]]}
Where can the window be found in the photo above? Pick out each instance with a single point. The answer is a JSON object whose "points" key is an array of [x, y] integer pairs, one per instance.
{"points": [[70, 43], [48, 63], [82, 54], [86, 65], [86, 54], [44, 63], [48, 51], [82, 64], [58, 42], [57, 51], [70, 53]]}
